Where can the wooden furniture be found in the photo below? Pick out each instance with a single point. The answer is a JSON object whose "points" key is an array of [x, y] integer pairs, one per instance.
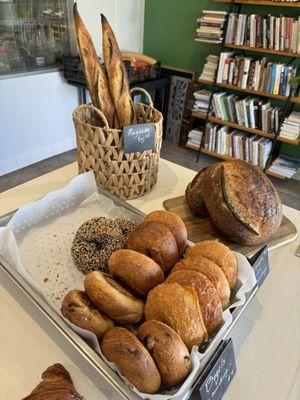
{"points": [[290, 100]]}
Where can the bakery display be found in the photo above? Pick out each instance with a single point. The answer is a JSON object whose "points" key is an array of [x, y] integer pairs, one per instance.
{"points": [[113, 299], [194, 197], [56, 384], [139, 272], [209, 300], [179, 308], [123, 348], [172, 222], [96, 240], [168, 351], [211, 270], [219, 254], [95, 76], [156, 241], [118, 80], [78, 309], [241, 201]]}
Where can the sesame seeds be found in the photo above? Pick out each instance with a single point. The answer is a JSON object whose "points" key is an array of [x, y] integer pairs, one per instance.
{"points": [[96, 240]]}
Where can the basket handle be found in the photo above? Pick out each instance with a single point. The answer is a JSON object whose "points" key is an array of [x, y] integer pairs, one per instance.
{"points": [[101, 115], [139, 89]]}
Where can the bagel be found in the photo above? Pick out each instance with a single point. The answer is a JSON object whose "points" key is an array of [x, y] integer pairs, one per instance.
{"points": [[168, 351], [211, 271], [155, 241], [77, 308], [133, 360], [113, 299], [209, 300], [139, 272], [219, 254], [174, 223]]}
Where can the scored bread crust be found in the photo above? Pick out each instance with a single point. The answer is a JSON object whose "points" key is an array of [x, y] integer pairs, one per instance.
{"points": [[118, 79], [242, 202], [209, 300], [113, 299], [211, 270], [95, 76], [179, 308], [123, 348], [168, 351], [219, 254]]}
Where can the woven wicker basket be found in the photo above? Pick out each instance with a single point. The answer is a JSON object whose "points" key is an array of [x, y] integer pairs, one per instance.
{"points": [[101, 149]]}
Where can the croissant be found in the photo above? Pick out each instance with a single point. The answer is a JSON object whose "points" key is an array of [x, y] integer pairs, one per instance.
{"points": [[56, 384]]}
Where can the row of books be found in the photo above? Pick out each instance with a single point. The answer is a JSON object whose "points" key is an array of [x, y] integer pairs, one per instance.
{"points": [[268, 32], [195, 137], [255, 74], [211, 26], [284, 165], [210, 68], [240, 145], [291, 126], [251, 112]]}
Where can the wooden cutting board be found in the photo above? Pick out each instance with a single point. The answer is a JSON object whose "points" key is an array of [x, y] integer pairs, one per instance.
{"points": [[202, 229]]}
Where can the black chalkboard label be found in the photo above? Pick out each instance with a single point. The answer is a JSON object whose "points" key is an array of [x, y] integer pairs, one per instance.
{"points": [[261, 265], [218, 373], [138, 137]]}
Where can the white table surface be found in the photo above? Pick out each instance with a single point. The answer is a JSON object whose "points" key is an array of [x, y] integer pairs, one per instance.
{"points": [[266, 338]]}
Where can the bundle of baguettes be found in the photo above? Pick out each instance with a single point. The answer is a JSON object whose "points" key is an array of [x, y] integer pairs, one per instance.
{"points": [[109, 92]]}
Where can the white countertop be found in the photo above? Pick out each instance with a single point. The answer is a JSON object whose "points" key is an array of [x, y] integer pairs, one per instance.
{"points": [[266, 338]]}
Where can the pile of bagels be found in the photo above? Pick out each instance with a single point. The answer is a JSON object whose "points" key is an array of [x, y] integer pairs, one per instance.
{"points": [[160, 298]]}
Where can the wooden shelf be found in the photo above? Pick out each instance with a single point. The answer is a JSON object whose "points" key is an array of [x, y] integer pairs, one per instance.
{"points": [[263, 50], [234, 125], [263, 3], [248, 91], [224, 157]]}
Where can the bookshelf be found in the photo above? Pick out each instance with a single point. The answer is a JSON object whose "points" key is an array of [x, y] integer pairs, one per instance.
{"points": [[295, 100], [228, 158], [263, 3], [243, 128], [289, 101]]}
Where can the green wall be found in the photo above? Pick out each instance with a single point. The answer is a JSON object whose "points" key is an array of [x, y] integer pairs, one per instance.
{"points": [[170, 27]]}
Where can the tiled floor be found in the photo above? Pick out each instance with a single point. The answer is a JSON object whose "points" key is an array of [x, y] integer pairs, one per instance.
{"points": [[289, 189]]}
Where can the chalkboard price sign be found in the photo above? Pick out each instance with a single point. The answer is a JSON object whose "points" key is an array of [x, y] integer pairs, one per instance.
{"points": [[261, 265], [218, 373], [138, 137]]}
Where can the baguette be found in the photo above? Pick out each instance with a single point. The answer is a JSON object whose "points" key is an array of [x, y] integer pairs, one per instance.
{"points": [[118, 80], [95, 76], [128, 55]]}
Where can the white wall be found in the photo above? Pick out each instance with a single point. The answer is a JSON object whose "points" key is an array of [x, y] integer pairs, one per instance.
{"points": [[36, 111], [125, 16]]}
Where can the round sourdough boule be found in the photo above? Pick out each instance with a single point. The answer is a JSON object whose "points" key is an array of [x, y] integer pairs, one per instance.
{"points": [[211, 271], [78, 309], [170, 354], [138, 271], [133, 360], [155, 241], [174, 223], [179, 308], [194, 197], [242, 202], [113, 299], [209, 300], [219, 254]]}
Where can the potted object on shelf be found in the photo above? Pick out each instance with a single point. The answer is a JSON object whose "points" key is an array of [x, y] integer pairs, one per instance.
{"points": [[118, 139]]}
